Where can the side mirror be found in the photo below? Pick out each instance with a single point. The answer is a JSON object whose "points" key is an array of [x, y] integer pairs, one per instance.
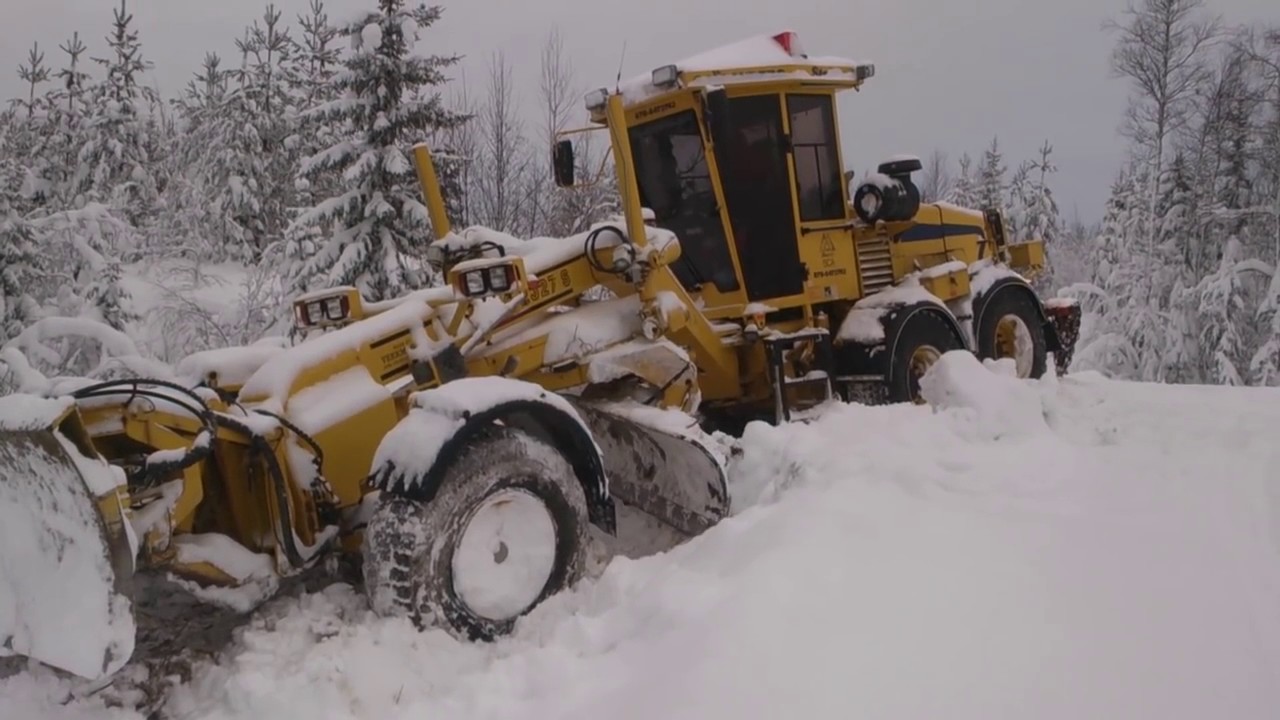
{"points": [[562, 163], [716, 113]]}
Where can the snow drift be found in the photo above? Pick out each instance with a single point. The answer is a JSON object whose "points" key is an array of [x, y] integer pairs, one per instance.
{"points": [[1061, 549]]}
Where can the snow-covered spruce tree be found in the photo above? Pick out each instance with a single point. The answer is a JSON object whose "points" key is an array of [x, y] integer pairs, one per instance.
{"points": [[1016, 201], [191, 223], [21, 260], [31, 130], [380, 223], [964, 190], [252, 161], [68, 112], [1223, 318], [313, 64], [991, 181], [114, 165], [1129, 333]]}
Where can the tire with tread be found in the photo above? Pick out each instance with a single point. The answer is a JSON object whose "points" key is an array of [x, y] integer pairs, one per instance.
{"points": [[921, 330], [1012, 302], [409, 545]]}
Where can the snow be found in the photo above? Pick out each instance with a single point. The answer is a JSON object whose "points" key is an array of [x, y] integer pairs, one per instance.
{"points": [[335, 399], [1116, 556], [863, 322], [231, 366], [984, 273], [253, 572], [272, 384], [22, 412], [945, 268], [586, 330], [505, 555]]}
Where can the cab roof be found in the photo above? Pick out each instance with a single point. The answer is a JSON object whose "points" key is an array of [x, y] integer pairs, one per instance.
{"points": [[757, 59]]}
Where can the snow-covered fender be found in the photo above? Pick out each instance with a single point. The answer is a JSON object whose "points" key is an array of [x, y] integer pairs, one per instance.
{"points": [[1014, 284], [897, 320], [412, 458], [868, 356]]}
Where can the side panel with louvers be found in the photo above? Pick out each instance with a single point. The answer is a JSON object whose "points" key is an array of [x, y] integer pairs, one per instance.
{"points": [[875, 263]]}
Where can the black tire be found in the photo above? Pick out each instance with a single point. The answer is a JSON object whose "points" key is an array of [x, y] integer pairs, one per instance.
{"points": [[410, 546], [1017, 310], [923, 332]]}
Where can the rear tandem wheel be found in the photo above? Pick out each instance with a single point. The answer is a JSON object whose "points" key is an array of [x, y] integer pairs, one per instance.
{"points": [[924, 337]]}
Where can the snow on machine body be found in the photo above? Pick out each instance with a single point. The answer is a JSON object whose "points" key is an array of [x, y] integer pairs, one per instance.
{"points": [[469, 441]]}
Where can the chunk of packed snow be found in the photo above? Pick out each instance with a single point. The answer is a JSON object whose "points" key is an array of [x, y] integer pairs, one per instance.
{"points": [[998, 404], [230, 366], [253, 572]]}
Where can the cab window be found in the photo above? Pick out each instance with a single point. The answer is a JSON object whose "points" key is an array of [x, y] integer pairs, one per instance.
{"points": [[675, 182], [818, 177]]}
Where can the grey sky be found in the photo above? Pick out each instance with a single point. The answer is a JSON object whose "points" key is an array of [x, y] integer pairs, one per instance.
{"points": [[949, 73]]}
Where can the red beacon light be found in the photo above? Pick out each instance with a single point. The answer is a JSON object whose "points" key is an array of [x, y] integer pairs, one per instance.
{"points": [[790, 42]]}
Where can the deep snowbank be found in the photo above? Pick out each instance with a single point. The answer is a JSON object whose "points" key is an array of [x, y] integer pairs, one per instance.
{"points": [[1068, 549]]}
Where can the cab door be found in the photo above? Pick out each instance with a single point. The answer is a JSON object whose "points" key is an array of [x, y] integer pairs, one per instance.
{"points": [[826, 244], [757, 193]]}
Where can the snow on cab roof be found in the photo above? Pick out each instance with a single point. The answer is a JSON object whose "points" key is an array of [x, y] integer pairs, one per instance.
{"points": [[760, 51]]}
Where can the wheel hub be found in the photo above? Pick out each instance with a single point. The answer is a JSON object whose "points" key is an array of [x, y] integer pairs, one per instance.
{"points": [[1013, 340], [921, 360], [505, 555]]}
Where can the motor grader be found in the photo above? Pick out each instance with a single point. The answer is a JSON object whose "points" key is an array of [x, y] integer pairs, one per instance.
{"points": [[472, 443]]}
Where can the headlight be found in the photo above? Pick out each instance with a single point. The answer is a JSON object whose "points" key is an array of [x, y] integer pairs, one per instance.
{"points": [[596, 98], [499, 278], [333, 308], [475, 282], [315, 312], [665, 75], [435, 256]]}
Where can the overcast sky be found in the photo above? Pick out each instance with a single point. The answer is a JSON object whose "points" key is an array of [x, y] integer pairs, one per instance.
{"points": [[949, 73]]}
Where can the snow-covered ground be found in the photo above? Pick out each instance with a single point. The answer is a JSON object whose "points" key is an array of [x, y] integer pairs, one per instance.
{"points": [[1068, 549]]}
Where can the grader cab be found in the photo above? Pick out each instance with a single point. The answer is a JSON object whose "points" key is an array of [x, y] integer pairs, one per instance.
{"points": [[474, 444]]}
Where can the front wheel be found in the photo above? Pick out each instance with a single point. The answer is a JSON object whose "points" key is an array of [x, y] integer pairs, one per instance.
{"points": [[507, 529]]}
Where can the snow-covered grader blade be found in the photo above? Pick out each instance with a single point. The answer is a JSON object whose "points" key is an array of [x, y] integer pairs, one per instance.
{"points": [[66, 559]]}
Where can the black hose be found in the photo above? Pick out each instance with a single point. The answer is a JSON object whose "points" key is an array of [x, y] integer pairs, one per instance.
{"points": [[589, 247], [258, 446], [196, 453]]}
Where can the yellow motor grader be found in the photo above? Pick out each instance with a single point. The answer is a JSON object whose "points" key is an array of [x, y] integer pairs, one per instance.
{"points": [[474, 443]]}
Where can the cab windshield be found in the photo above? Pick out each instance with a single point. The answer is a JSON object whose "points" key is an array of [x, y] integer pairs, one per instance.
{"points": [[675, 183]]}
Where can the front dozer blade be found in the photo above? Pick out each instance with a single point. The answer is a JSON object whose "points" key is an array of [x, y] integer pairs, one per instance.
{"points": [[669, 474], [66, 556]]}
